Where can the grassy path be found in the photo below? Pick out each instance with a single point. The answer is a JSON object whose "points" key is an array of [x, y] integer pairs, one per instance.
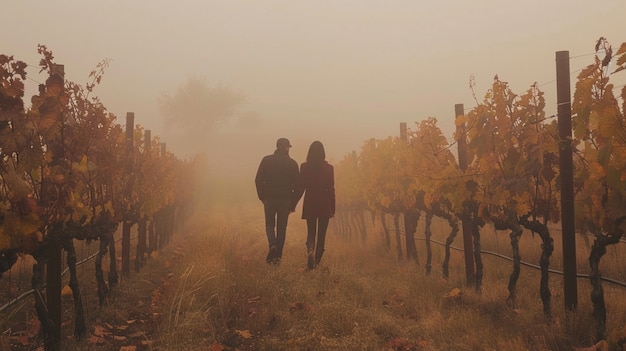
{"points": [[225, 297]]}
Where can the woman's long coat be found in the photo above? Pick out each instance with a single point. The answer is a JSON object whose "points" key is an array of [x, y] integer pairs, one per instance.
{"points": [[317, 181]]}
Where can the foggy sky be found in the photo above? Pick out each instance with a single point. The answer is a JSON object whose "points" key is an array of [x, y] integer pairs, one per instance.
{"points": [[336, 71]]}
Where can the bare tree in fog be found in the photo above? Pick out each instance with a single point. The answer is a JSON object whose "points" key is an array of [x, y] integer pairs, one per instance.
{"points": [[193, 111]]}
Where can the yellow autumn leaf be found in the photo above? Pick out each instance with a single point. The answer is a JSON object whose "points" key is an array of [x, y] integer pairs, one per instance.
{"points": [[522, 208]]}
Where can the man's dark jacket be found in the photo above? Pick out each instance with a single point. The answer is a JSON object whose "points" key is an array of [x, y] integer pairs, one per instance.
{"points": [[276, 177]]}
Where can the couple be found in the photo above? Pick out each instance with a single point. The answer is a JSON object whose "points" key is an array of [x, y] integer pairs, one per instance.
{"points": [[280, 185]]}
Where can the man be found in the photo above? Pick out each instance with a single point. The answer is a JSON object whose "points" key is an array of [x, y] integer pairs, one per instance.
{"points": [[275, 185]]}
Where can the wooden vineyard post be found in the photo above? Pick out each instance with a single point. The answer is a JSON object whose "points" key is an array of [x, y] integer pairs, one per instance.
{"points": [[153, 226], [160, 222], [54, 265], [410, 216], [468, 246], [126, 223], [142, 248], [564, 112]]}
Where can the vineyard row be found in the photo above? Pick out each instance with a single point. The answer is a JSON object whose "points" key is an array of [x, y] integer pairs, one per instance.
{"points": [[514, 169], [69, 172]]}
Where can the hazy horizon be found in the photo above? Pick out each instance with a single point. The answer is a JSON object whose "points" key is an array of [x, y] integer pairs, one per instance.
{"points": [[341, 72]]}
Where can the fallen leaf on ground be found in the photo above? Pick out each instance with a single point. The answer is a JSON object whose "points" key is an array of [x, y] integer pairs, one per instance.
{"points": [[100, 331], [66, 291], [243, 333], [454, 294]]}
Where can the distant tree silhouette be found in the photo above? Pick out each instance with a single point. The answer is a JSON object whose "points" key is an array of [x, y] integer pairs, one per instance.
{"points": [[195, 110]]}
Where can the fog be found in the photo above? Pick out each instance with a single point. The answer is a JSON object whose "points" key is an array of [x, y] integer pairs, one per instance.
{"points": [[336, 71]]}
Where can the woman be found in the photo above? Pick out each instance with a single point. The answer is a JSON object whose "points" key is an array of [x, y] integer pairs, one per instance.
{"points": [[317, 182]]}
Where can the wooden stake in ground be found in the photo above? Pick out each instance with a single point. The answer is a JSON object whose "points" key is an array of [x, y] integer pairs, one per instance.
{"points": [[130, 122], [468, 247], [564, 111]]}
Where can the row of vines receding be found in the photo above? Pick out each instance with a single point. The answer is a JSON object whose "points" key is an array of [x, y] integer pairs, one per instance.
{"points": [[69, 171], [511, 178]]}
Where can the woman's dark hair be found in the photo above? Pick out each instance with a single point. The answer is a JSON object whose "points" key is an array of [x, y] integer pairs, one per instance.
{"points": [[316, 153]]}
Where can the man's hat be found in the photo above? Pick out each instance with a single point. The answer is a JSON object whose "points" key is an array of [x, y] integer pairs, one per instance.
{"points": [[283, 142]]}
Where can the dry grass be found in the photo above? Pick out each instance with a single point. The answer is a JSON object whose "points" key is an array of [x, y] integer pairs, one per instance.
{"points": [[361, 298]]}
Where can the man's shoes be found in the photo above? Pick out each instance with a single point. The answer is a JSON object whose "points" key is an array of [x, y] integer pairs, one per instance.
{"points": [[271, 256], [311, 260]]}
